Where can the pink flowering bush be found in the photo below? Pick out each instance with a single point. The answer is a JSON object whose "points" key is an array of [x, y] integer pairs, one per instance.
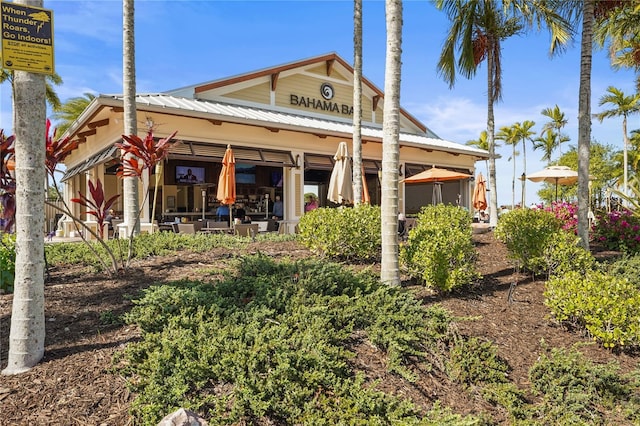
{"points": [[618, 230], [567, 213]]}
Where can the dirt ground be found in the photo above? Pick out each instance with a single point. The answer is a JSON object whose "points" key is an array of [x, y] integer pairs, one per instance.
{"points": [[73, 385]]}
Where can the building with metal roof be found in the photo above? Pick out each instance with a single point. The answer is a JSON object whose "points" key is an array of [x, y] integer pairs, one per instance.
{"points": [[284, 124]]}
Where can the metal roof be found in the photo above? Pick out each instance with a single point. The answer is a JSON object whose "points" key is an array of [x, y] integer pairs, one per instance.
{"points": [[98, 158], [244, 114]]}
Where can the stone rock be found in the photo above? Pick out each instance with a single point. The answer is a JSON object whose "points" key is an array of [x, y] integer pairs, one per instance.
{"points": [[183, 417]]}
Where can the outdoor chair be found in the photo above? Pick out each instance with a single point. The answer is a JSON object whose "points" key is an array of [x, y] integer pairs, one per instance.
{"points": [[114, 224], [186, 228], [247, 229], [272, 225]]}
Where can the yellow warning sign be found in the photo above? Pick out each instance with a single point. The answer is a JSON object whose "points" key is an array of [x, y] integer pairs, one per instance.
{"points": [[27, 38]]}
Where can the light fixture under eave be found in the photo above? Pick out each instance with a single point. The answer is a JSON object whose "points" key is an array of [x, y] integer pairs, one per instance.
{"points": [[149, 123], [297, 162]]}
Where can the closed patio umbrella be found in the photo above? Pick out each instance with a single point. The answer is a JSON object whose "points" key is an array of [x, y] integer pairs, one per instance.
{"points": [[366, 199], [341, 183], [227, 181], [480, 193]]}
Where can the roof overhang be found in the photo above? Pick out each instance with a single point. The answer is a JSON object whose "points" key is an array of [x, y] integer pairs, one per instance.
{"points": [[106, 154], [273, 119]]}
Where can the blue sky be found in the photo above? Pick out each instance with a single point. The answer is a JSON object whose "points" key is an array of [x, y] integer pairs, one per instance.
{"points": [[183, 42]]}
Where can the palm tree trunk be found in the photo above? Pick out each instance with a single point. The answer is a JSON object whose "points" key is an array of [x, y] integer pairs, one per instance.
{"points": [[493, 199], [390, 271], [130, 183], [584, 122], [625, 158], [513, 179], [27, 331], [357, 102]]}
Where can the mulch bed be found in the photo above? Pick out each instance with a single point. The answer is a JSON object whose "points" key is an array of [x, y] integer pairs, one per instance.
{"points": [[74, 384]]}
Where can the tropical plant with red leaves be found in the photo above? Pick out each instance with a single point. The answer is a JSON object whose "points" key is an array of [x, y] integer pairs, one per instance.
{"points": [[57, 150], [97, 206], [140, 154], [7, 181]]}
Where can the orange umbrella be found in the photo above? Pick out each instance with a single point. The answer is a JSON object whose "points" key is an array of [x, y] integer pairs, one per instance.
{"points": [[227, 180], [480, 193], [435, 174], [366, 199]]}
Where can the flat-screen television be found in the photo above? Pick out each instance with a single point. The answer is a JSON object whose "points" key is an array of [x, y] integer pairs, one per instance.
{"points": [[276, 179], [188, 174], [245, 173]]}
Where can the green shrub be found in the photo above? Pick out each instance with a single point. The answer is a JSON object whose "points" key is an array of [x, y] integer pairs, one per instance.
{"points": [[565, 254], [576, 391], [440, 250], [527, 233], [628, 268], [607, 306], [343, 233], [7, 262]]}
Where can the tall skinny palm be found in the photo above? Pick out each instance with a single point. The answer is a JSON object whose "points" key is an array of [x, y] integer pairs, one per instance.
{"points": [[557, 121], [524, 133], [389, 265], [547, 142], [622, 106], [509, 135], [357, 101], [477, 30]]}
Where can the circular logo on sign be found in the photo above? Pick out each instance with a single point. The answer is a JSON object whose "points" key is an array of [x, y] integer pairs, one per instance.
{"points": [[327, 91]]}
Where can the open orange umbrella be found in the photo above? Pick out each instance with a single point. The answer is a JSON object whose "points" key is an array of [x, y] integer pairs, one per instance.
{"points": [[480, 193], [227, 181], [436, 174]]}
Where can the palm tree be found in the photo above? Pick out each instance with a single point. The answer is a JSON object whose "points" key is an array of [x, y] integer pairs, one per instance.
{"points": [[27, 332], [50, 79], [634, 153], [357, 102], [482, 143], [547, 142], [130, 183], [621, 29], [556, 122], [389, 266], [584, 120], [524, 133], [622, 106], [509, 135], [69, 111], [477, 30]]}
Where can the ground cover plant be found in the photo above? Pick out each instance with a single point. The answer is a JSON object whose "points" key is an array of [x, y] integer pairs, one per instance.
{"points": [[270, 344], [481, 376]]}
